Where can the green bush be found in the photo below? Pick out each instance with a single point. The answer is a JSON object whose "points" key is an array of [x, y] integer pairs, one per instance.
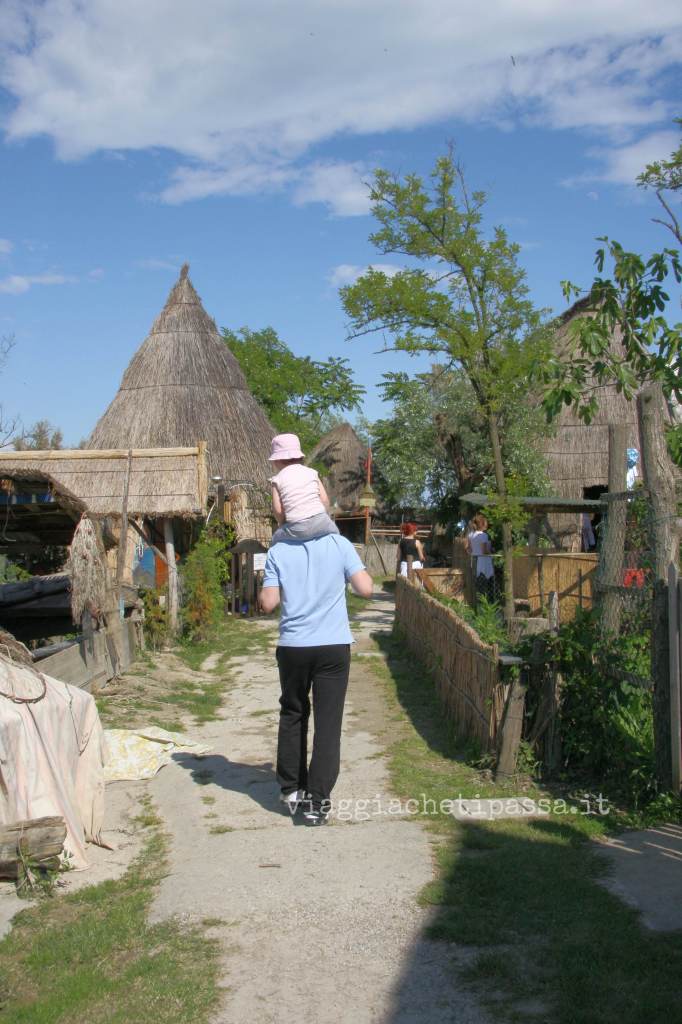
{"points": [[155, 624], [204, 573], [606, 719]]}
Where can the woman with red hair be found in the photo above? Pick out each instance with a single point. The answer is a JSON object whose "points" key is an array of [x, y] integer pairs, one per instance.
{"points": [[409, 546]]}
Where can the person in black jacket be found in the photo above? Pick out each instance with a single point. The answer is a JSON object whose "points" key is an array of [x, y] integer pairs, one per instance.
{"points": [[408, 546]]}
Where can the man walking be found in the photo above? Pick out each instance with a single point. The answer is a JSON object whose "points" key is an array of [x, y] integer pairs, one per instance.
{"points": [[309, 578]]}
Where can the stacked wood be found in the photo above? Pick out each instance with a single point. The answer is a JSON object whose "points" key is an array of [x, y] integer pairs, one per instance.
{"points": [[36, 843], [466, 670]]}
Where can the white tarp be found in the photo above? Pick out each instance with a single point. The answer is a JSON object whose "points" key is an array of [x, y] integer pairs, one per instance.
{"points": [[52, 755], [140, 753]]}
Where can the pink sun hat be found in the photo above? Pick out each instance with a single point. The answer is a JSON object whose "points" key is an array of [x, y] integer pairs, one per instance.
{"points": [[285, 446]]}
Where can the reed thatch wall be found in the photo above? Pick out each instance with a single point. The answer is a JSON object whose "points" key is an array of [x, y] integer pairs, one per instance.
{"points": [[343, 455], [466, 670], [163, 482], [578, 454], [570, 574], [184, 386]]}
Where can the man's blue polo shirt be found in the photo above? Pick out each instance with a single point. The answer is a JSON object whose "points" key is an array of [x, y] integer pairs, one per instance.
{"points": [[312, 577]]}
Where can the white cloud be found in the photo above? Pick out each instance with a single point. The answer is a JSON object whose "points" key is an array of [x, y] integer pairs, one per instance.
{"points": [[17, 284], [594, 196], [158, 264], [620, 165], [348, 273], [342, 186], [96, 274], [242, 92], [5, 246]]}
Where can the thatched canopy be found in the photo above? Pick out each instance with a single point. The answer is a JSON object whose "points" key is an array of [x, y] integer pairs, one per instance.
{"points": [[36, 509], [344, 456], [578, 455], [183, 386], [163, 482]]}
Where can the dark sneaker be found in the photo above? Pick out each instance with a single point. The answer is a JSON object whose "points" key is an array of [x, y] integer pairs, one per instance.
{"points": [[315, 816]]}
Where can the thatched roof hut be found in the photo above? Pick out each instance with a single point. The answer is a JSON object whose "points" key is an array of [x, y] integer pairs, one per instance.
{"points": [[577, 454], [162, 482], [184, 386], [36, 509], [343, 456]]}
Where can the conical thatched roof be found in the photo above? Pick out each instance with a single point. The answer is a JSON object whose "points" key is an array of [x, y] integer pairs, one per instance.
{"points": [[184, 386], [344, 456]]}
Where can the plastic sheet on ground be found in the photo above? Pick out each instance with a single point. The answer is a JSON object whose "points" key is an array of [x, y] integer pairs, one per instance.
{"points": [[136, 754]]}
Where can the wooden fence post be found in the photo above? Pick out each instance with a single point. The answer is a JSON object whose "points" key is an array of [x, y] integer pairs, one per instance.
{"points": [[172, 576], [613, 548], [659, 479]]}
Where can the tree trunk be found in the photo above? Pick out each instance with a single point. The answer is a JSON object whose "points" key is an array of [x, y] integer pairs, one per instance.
{"points": [[493, 430], [613, 548], [659, 479]]}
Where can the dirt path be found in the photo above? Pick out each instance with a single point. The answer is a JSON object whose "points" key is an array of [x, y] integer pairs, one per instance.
{"points": [[318, 924]]}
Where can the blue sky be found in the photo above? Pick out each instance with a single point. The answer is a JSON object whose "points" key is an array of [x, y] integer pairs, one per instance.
{"points": [[239, 137]]}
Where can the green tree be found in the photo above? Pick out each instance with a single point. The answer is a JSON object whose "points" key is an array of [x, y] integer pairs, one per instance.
{"points": [[42, 436], [466, 301], [434, 446], [299, 394], [630, 302]]}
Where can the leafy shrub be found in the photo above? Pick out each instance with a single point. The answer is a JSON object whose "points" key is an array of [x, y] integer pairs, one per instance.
{"points": [[155, 625], [204, 573], [486, 619], [606, 718]]}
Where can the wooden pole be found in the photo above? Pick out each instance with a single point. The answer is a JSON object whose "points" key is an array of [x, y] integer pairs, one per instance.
{"points": [[659, 479], [123, 539], [613, 548], [172, 576], [220, 501]]}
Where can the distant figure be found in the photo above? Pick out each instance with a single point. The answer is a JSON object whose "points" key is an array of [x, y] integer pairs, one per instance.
{"points": [[299, 499], [409, 546], [480, 549], [633, 472], [589, 541]]}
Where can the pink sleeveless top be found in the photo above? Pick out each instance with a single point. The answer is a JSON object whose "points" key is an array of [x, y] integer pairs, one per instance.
{"points": [[299, 492]]}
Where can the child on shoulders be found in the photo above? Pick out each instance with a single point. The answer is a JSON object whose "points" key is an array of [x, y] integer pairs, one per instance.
{"points": [[299, 500]]}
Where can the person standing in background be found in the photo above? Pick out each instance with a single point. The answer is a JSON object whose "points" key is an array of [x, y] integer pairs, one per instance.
{"points": [[480, 550], [409, 546]]}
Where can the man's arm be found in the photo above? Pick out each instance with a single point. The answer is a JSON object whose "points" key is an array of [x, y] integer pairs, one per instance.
{"points": [[269, 599], [362, 583]]}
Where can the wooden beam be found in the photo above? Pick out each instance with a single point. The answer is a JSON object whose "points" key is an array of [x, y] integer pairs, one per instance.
{"points": [[202, 474], [70, 454], [172, 576], [123, 538], [38, 842]]}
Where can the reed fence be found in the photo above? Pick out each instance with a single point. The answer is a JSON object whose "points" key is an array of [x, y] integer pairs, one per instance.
{"points": [[466, 671]]}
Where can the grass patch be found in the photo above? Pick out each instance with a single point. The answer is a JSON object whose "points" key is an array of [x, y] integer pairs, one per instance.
{"points": [[219, 830], [234, 637], [524, 893], [92, 956]]}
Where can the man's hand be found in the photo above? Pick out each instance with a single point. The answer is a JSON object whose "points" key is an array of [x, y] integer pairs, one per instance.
{"points": [[269, 599], [362, 583]]}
